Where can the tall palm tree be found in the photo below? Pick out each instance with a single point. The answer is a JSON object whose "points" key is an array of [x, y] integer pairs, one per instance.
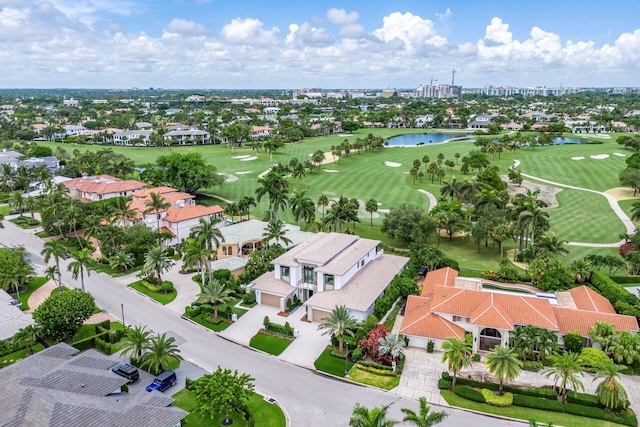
{"points": [[276, 230], [323, 201], [207, 230], [194, 252], [161, 353], [136, 341], [371, 206], [610, 392], [80, 265], [31, 204], [121, 260], [457, 355], [503, 362], [339, 323], [123, 211], [214, 293], [51, 273], [71, 215], [246, 202], [156, 262], [53, 248], [393, 346], [374, 417], [566, 370], [26, 337], [625, 347], [275, 187], [16, 199], [424, 418], [156, 204]]}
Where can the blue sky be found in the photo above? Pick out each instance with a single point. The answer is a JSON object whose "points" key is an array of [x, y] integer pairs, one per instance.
{"points": [[291, 44]]}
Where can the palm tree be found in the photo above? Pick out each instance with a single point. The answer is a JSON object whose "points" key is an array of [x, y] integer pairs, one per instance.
{"points": [[610, 392], [51, 273], [156, 261], [123, 210], [276, 230], [245, 203], [566, 368], [71, 216], [339, 323], [26, 337], [16, 199], [31, 203], [503, 362], [156, 204], [371, 206], [323, 201], [136, 341], [457, 355], [424, 418], [162, 352], [375, 417], [602, 333], [53, 248], [121, 261], [80, 265], [214, 293], [194, 252], [207, 230], [392, 345], [450, 189], [625, 347]]}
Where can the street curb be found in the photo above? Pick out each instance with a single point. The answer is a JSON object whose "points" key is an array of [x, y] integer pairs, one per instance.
{"points": [[498, 417]]}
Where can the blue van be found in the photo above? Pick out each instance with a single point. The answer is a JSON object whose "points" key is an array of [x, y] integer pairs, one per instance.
{"points": [[163, 381]]}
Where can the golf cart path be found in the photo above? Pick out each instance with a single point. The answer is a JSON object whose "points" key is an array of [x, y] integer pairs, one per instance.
{"points": [[629, 225]]}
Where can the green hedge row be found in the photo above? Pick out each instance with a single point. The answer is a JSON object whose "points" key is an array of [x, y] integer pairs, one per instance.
{"points": [[610, 289], [444, 384], [469, 393], [541, 392], [375, 365], [626, 279], [499, 401], [382, 372]]}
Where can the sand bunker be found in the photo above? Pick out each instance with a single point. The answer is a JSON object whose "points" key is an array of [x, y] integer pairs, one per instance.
{"points": [[240, 157], [577, 158], [393, 164], [328, 158], [330, 170], [246, 159], [600, 156], [601, 136], [547, 192], [621, 193], [243, 172], [229, 177], [384, 210], [619, 154]]}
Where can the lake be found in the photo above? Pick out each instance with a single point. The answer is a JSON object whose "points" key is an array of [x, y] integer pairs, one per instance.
{"points": [[426, 138]]}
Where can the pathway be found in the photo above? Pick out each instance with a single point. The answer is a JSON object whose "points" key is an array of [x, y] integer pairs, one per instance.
{"points": [[432, 199], [629, 225]]}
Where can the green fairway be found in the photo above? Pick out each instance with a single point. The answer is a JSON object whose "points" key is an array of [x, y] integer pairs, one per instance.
{"points": [[585, 217]]}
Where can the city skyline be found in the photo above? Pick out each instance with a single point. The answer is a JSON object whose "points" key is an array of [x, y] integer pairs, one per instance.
{"points": [[356, 44]]}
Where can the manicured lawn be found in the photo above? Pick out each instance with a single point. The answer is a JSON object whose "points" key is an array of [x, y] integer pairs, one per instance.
{"points": [[25, 222], [5, 209], [20, 354], [629, 285], [384, 382], [203, 320], [264, 413], [269, 344], [330, 364], [556, 418], [99, 267], [33, 284], [157, 296]]}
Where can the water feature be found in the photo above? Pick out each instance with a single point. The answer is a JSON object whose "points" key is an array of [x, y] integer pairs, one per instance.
{"points": [[414, 139]]}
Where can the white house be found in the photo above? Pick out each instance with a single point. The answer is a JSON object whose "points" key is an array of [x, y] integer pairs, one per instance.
{"points": [[260, 132], [328, 270], [126, 137], [189, 136]]}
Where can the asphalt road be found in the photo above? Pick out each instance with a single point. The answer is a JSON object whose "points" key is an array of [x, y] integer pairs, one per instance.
{"points": [[309, 398]]}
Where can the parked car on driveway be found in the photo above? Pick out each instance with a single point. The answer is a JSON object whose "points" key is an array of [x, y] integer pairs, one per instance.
{"points": [[163, 381], [127, 371]]}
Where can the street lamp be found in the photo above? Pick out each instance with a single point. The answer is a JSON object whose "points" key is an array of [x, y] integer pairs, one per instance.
{"points": [[122, 308], [346, 361]]}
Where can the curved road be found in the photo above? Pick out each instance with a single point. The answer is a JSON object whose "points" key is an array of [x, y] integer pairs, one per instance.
{"points": [[629, 225], [309, 398]]}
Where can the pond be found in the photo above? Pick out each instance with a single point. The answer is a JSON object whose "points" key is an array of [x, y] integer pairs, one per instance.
{"points": [[424, 138]]}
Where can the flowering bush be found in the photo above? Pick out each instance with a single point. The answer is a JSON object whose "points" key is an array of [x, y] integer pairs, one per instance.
{"points": [[370, 344]]}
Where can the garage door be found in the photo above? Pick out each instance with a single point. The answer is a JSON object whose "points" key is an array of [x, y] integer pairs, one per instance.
{"points": [[319, 315], [268, 299]]}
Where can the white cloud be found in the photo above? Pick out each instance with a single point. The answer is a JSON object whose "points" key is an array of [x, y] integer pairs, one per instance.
{"points": [[445, 15], [340, 17], [414, 31], [306, 35], [184, 27], [248, 31]]}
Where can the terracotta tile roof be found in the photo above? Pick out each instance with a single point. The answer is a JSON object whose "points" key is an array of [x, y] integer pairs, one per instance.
{"points": [[418, 320], [175, 214], [491, 313], [442, 276], [586, 298], [105, 185], [581, 320], [139, 204], [167, 230], [147, 191]]}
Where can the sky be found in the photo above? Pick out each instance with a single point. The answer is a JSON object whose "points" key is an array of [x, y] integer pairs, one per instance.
{"points": [[285, 44]]}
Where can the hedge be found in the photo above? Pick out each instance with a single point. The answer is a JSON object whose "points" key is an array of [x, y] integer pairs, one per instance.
{"points": [[625, 279], [532, 366], [494, 400], [610, 289], [537, 403], [375, 366], [103, 346], [584, 399], [469, 393], [382, 372], [444, 384], [601, 414], [540, 392]]}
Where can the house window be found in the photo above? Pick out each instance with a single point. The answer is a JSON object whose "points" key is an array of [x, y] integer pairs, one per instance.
{"points": [[461, 319], [284, 271], [309, 276], [224, 251], [328, 282]]}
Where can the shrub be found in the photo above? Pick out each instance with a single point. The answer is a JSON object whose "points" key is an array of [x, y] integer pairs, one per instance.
{"points": [[494, 400], [430, 346], [573, 342], [583, 399], [469, 393], [103, 346], [84, 331], [444, 384], [249, 298], [356, 355], [166, 287], [171, 251], [610, 289], [125, 388], [476, 357], [375, 366], [532, 366], [192, 311], [106, 324], [446, 376], [336, 353], [382, 372], [601, 414], [188, 382], [490, 275], [537, 403], [592, 357]]}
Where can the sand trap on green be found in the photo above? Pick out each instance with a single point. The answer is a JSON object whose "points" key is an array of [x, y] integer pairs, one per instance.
{"points": [[240, 157], [229, 177], [620, 154], [246, 159], [392, 164], [330, 170], [600, 156], [243, 172], [577, 158]]}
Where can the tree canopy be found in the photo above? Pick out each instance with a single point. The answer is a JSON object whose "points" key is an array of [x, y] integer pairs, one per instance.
{"points": [[62, 313], [189, 172]]}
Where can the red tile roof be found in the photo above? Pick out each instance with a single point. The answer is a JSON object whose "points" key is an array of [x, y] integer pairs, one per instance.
{"points": [[418, 321], [147, 191], [175, 214], [106, 185], [581, 320], [588, 299], [442, 276]]}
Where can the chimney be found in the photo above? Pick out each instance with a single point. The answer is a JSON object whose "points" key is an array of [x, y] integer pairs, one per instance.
{"points": [[181, 203], [84, 175]]}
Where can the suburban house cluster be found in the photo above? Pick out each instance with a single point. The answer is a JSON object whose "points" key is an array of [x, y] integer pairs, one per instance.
{"points": [[58, 388], [177, 219], [454, 306], [328, 270]]}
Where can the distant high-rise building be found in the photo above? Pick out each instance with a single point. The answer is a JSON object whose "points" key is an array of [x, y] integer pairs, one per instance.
{"points": [[491, 90], [437, 91]]}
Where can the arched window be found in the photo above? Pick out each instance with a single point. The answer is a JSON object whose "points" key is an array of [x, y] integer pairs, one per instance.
{"points": [[489, 338]]}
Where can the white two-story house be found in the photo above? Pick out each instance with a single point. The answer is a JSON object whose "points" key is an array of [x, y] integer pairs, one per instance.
{"points": [[328, 270]]}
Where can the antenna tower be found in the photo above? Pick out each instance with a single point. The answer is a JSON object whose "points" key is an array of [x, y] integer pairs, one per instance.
{"points": [[453, 77]]}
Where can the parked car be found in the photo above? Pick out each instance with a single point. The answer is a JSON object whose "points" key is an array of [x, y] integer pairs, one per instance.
{"points": [[127, 371], [163, 381]]}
